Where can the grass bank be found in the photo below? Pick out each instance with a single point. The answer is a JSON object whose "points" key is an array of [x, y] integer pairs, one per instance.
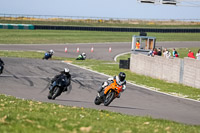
{"points": [[14, 36], [106, 67], [18, 115]]}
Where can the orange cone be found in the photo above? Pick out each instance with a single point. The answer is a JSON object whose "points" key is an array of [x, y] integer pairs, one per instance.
{"points": [[110, 49], [92, 49], [66, 50], [77, 50]]}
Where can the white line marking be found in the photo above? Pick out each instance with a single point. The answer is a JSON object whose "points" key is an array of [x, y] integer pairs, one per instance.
{"points": [[115, 59]]}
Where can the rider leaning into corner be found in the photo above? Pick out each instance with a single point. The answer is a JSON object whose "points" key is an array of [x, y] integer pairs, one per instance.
{"points": [[120, 80], [50, 52], [65, 73]]}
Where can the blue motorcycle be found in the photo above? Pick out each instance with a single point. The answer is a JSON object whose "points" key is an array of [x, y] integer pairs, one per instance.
{"points": [[47, 55]]}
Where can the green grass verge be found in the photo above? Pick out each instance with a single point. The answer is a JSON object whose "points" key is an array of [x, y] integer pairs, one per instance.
{"points": [[106, 67], [17, 116], [14, 36]]}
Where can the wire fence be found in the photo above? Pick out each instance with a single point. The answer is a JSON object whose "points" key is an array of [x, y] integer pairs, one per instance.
{"points": [[86, 19]]}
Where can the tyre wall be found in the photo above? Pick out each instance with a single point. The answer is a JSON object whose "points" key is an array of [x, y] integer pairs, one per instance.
{"points": [[161, 30], [112, 29]]}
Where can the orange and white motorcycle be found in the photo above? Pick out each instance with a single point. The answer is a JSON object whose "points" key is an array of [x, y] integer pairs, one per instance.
{"points": [[108, 94]]}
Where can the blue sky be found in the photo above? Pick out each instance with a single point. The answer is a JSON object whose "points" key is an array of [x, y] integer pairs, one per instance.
{"points": [[99, 8]]}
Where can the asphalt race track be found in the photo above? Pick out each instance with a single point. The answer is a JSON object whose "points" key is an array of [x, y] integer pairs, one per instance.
{"points": [[101, 50], [28, 78]]}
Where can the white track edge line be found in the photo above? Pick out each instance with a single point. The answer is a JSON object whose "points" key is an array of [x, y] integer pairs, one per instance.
{"points": [[115, 59]]}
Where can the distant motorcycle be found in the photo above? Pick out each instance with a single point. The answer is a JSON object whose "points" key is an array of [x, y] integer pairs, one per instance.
{"points": [[107, 95], [47, 55], [58, 86], [81, 57]]}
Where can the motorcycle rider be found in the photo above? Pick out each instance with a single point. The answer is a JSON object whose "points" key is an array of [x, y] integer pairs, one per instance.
{"points": [[2, 65], [65, 73], [82, 56], [120, 80], [48, 54], [51, 52]]}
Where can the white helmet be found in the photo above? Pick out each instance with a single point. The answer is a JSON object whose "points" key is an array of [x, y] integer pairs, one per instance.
{"points": [[51, 51], [66, 70], [83, 54]]}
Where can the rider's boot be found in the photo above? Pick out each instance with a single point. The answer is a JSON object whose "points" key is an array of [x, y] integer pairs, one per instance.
{"points": [[119, 95]]}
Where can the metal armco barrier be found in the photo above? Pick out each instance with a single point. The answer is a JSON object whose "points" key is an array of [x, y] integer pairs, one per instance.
{"points": [[161, 30]]}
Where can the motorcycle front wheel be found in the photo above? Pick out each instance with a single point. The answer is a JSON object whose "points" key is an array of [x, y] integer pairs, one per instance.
{"points": [[97, 100], [109, 98], [56, 92], [49, 95]]}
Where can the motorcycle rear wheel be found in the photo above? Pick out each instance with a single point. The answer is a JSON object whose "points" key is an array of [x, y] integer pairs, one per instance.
{"points": [[109, 98]]}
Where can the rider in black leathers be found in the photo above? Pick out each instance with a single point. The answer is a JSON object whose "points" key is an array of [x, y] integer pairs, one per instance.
{"points": [[65, 73]]}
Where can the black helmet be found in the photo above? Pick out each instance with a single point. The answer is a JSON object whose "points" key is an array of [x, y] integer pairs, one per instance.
{"points": [[122, 76]]}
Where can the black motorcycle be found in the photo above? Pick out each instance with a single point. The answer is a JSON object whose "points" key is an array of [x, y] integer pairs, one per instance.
{"points": [[57, 87], [1, 68]]}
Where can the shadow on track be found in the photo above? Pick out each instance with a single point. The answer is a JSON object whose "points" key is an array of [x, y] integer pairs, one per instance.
{"points": [[121, 107], [75, 101]]}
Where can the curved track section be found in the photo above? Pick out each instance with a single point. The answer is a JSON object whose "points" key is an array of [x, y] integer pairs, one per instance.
{"points": [[101, 50], [28, 78]]}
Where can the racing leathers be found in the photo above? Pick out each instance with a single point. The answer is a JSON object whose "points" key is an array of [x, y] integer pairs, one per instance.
{"points": [[62, 73], [111, 80]]}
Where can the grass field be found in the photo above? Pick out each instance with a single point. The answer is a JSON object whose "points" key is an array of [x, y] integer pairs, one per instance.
{"points": [[8, 36], [26, 116]]}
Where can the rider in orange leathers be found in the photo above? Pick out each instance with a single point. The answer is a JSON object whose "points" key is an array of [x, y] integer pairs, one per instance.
{"points": [[120, 80]]}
